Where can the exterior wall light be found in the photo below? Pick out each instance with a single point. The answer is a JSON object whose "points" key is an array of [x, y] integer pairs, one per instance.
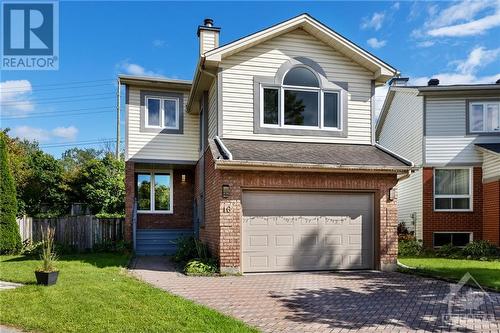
{"points": [[225, 191], [183, 178]]}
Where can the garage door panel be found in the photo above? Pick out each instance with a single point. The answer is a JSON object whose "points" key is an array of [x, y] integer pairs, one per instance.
{"points": [[286, 231]]}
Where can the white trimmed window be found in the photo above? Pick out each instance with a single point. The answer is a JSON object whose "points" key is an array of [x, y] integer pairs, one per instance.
{"points": [[484, 117], [162, 112], [154, 191], [300, 102], [453, 189], [458, 239]]}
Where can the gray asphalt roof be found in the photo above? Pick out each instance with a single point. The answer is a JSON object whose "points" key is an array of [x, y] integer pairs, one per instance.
{"points": [[311, 153], [494, 147]]}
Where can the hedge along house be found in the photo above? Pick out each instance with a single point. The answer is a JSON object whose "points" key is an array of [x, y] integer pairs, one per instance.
{"points": [[268, 155]]}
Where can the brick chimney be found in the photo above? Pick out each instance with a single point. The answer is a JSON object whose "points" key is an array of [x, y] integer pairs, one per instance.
{"points": [[208, 36]]}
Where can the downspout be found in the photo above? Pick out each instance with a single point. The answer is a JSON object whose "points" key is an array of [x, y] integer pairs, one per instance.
{"points": [[134, 224]]}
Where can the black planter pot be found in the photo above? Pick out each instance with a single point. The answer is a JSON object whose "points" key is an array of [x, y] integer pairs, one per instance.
{"points": [[46, 278]]}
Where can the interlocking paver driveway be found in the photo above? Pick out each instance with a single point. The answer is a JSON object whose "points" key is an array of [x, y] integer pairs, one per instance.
{"points": [[348, 301]]}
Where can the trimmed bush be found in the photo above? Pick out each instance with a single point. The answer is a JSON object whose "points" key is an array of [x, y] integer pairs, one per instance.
{"points": [[10, 240], [410, 248], [449, 251], [480, 248]]}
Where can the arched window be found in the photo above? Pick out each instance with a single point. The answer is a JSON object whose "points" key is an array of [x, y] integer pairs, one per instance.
{"points": [[300, 101]]}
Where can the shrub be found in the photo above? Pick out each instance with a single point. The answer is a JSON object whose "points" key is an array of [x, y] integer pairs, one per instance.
{"points": [[480, 248], [186, 249], [449, 251], [410, 248], [31, 249], [10, 239], [201, 268]]}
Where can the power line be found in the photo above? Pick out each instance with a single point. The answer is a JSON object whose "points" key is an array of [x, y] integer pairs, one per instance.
{"points": [[55, 98], [76, 143], [58, 114], [61, 84], [8, 90], [71, 100], [64, 111]]}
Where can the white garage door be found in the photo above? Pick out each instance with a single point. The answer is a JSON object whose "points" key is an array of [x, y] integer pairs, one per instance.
{"points": [[294, 231]]}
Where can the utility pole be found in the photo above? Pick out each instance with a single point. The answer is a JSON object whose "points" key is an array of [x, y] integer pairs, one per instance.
{"points": [[118, 120]]}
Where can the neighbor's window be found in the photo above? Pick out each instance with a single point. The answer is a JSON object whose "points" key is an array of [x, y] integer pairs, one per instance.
{"points": [[157, 197], [459, 239], [301, 102], [452, 189], [484, 117], [162, 112]]}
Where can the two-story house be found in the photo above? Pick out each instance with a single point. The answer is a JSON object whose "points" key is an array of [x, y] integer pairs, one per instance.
{"points": [[452, 133], [268, 155]]}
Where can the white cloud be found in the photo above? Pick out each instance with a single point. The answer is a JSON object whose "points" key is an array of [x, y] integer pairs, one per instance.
{"points": [[135, 69], [395, 6], [375, 43], [426, 43], [68, 133], [159, 43], [375, 22], [478, 57], [464, 18], [43, 135], [15, 97]]}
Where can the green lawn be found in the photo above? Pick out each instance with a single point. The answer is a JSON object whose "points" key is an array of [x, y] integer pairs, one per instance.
{"points": [[486, 273], [95, 294]]}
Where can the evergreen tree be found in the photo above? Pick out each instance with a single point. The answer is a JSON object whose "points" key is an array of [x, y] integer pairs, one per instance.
{"points": [[10, 240]]}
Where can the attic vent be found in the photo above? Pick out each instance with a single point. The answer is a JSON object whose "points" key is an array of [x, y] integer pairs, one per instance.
{"points": [[208, 22], [498, 81], [433, 82]]}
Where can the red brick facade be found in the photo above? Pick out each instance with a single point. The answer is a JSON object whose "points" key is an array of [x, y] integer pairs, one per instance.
{"points": [[183, 194], [491, 212], [222, 228], [451, 221]]}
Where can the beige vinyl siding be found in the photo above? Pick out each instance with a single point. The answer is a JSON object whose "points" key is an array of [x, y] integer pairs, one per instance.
{"points": [[208, 40], [212, 110], [491, 166], [265, 59], [156, 146], [402, 133], [446, 141]]}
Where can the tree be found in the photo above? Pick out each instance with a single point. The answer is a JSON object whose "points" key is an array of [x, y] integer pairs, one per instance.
{"points": [[10, 240], [102, 184]]}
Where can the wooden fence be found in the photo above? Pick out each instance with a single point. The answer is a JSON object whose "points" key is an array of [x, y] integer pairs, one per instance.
{"points": [[80, 232]]}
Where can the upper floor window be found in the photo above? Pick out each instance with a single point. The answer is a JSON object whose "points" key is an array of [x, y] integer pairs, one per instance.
{"points": [[484, 117], [300, 102], [453, 189], [162, 112]]}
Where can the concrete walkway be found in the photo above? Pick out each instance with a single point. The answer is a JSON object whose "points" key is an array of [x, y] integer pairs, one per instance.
{"points": [[351, 301], [4, 285]]}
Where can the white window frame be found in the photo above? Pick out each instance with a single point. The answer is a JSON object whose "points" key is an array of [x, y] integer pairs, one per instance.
{"points": [[162, 112], [281, 105], [471, 236], [485, 109], [454, 196], [152, 173]]}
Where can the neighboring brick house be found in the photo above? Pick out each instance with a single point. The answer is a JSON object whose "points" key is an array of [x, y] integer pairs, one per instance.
{"points": [[452, 133], [267, 156]]}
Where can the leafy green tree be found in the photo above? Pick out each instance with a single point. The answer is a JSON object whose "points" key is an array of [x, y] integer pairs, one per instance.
{"points": [[102, 183], [10, 240], [46, 191]]}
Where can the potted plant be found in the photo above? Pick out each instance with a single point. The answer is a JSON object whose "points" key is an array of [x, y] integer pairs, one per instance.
{"points": [[47, 273]]}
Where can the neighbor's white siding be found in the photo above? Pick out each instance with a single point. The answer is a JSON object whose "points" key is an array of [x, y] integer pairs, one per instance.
{"points": [[491, 166], [155, 146], [410, 200], [265, 59], [402, 133], [208, 40], [212, 110], [446, 142]]}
